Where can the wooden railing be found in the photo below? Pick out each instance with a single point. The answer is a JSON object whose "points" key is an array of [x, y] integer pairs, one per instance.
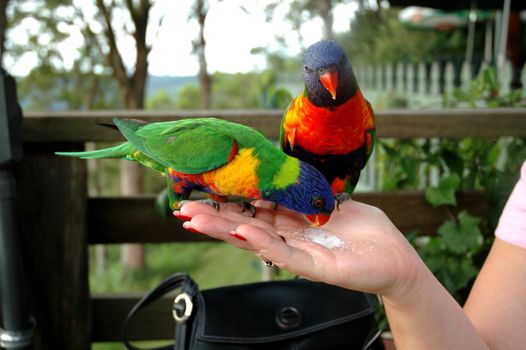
{"points": [[58, 221]]}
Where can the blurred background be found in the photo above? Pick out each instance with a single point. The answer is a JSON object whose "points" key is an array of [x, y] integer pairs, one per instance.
{"points": [[242, 55]]}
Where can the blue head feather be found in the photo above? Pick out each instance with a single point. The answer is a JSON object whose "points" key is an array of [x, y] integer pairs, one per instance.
{"points": [[311, 194], [319, 57]]}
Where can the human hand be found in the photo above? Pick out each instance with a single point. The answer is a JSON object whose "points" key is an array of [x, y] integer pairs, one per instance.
{"points": [[368, 253]]}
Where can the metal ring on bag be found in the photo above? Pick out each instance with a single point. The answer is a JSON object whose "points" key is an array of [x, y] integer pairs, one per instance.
{"points": [[186, 308]]}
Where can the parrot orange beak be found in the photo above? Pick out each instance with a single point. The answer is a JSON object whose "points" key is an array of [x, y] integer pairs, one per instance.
{"points": [[318, 219], [329, 79]]}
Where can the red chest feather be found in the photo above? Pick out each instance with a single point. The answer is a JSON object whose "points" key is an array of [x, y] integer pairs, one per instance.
{"points": [[338, 130]]}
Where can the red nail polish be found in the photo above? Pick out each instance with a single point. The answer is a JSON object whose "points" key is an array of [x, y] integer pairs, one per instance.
{"points": [[238, 236], [183, 217], [191, 229]]}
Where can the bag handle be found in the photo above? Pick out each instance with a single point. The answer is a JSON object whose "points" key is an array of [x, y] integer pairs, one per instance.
{"points": [[189, 289]]}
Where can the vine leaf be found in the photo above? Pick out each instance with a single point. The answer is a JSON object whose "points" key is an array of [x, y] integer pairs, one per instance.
{"points": [[444, 193], [463, 236]]}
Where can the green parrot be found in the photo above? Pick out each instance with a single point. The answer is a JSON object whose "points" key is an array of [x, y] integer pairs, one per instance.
{"points": [[222, 159]]}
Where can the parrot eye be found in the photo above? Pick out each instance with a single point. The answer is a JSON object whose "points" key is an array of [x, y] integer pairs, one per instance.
{"points": [[318, 202], [307, 69]]}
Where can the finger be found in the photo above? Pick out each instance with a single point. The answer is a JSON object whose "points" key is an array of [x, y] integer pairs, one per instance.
{"points": [[264, 218], [217, 227]]}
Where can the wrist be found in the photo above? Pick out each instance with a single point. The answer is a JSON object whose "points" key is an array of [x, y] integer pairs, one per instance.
{"points": [[410, 284]]}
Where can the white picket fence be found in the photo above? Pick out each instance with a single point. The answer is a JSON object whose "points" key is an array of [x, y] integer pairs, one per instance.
{"points": [[381, 83]]}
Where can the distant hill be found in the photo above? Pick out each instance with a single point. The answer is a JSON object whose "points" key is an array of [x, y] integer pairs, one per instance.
{"points": [[170, 84]]}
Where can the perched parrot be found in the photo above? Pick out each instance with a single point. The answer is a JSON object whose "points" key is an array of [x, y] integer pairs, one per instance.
{"points": [[330, 125], [222, 159]]}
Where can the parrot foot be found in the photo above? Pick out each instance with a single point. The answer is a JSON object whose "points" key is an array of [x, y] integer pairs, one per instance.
{"points": [[211, 202], [340, 198], [246, 205]]}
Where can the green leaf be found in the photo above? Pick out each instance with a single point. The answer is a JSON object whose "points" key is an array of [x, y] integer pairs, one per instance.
{"points": [[461, 95], [444, 193], [494, 154], [390, 151], [409, 166], [461, 237], [490, 78]]}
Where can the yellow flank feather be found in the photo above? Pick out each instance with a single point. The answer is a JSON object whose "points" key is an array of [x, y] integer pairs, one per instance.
{"points": [[290, 170], [238, 174]]}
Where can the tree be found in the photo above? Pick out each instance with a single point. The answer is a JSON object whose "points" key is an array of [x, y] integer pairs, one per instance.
{"points": [[302, 10], [378, 36], [199, 11], [99, 53], [132, 84]]}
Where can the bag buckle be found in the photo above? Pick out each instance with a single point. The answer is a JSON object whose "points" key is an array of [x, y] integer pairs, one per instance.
{"points": [[182, 308]]}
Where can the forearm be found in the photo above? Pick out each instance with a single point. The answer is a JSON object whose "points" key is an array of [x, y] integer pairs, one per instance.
{"points": [[497, 304], [426, 316]]}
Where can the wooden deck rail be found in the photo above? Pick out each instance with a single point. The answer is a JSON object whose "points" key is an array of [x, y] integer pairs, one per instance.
{"points": [[58, 220], [81, 126]]}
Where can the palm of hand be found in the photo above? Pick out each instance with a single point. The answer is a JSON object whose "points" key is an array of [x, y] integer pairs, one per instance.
{"points": [[371, 258]]}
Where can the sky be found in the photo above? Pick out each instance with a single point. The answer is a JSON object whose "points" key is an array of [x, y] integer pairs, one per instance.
{"points": [[231, 32]]}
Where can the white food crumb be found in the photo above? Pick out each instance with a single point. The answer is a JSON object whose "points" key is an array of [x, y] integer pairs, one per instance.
{"points": [[322, 237]]}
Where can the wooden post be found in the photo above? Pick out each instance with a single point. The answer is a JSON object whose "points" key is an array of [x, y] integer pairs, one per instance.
{"points": [[52, 215]]}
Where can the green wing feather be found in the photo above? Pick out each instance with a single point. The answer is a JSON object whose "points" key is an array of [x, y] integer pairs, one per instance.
{"points": [[191, 146]]}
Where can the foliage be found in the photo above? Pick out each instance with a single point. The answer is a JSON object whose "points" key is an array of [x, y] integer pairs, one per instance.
{"points": [[444, 193], [50, 21], [210, 264], [450, 254], [161, 101], [49, 88], [445, 166], [274, 97], [484, 91], [189, 97], [237, 91], [377, 36]]}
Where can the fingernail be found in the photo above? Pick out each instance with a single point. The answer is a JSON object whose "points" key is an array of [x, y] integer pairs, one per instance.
{"points": [[181, 216], [237, 235], [190, 228]]}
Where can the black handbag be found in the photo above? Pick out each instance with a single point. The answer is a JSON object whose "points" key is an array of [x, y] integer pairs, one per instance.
{"points": [[292, 314]]}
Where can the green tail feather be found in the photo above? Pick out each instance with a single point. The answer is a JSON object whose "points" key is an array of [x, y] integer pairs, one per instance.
{"points": [[120, 151]]}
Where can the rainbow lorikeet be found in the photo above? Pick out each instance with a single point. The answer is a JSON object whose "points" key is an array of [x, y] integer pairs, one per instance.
{"points": [[222, 159], [330, 125]]}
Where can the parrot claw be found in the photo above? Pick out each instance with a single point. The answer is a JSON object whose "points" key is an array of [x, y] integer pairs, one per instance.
{"points": [[340, 198], [246, 205], [211, 202]]}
